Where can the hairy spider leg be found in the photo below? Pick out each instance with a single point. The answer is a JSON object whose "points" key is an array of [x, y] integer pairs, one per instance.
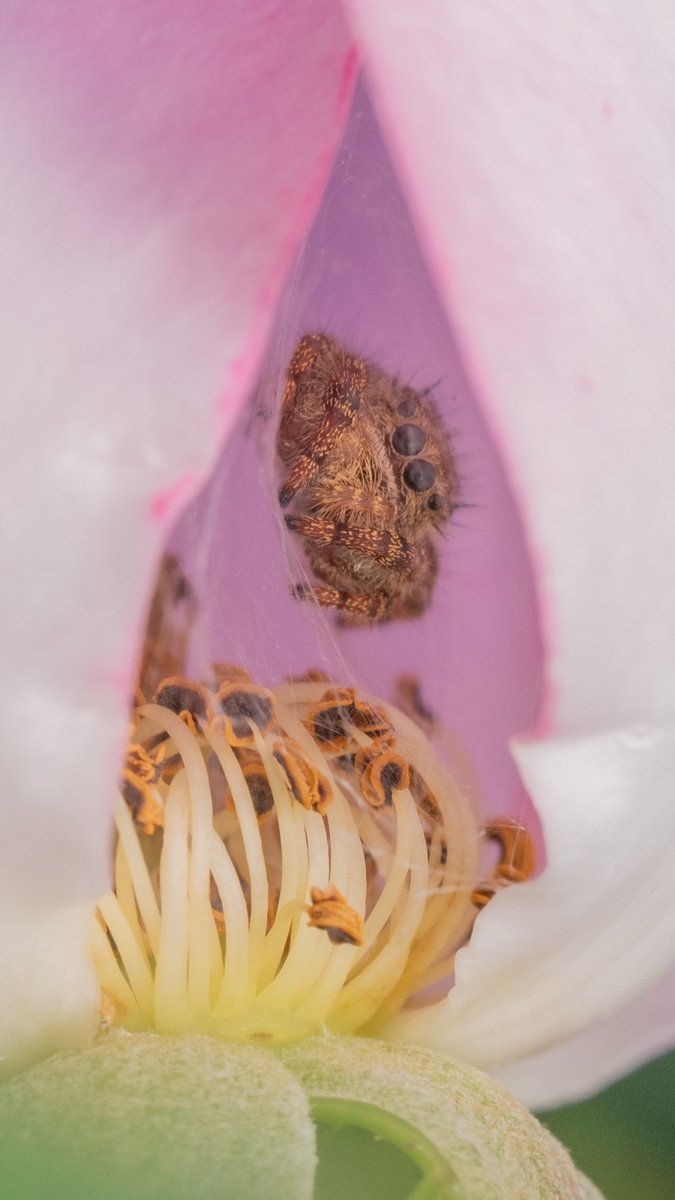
{"points": [[357, 500], [387, 547], [341, 403], [358, 604]]}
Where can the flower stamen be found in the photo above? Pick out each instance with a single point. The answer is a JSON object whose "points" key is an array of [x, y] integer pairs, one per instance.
{"points": [[329, 910], [142, 771], [517, 862], [309, 862]]}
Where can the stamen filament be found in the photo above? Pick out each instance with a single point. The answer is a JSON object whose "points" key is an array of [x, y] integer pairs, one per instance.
{"points": [[139, 879], [292, 853], [362, 996], [349, 877], [233, 989], [135, 963], [255, 861], [310, 864], [113, 983], [172, 1013]]}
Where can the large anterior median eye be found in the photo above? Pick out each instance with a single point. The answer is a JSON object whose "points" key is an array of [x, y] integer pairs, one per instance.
{"points": [[419, 475], [408, 440]]}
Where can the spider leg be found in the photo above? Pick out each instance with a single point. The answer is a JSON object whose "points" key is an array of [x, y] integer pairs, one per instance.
{"points": [[342, 401], [386, 546], [308, 350], [412, 599], [358, 500], [358, 604]]}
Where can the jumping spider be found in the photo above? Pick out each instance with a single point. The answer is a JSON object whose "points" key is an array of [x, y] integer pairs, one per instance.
{"points": [[373, 480]]}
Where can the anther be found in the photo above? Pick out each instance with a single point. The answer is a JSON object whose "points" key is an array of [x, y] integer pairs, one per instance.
{"points": [[227, 672], [329, 910], [517, 862], [423, 796], [259, 786], [370, 720], [329, 721], [313, 675], [408, 696], [383, 772], [308, 787], [241, 705], [140, 774], [190, 701]]}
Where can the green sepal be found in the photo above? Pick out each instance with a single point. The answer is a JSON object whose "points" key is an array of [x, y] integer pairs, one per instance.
{"points": [[438, 1180], [470, 1138], [148, 1117]]}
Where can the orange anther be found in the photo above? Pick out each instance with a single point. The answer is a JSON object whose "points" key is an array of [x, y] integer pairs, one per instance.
{"points": [[329, 910], [190, 701], [329, 720], [140, 774], [259, 788], [518, 859], [308, 786], [239, 706], [383, 772]]}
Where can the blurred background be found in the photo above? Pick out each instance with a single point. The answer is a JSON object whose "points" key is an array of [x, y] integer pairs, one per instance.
{"points": [[624, 1139]]}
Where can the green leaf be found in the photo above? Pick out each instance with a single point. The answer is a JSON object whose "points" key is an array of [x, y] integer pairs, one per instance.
{"points": [[470, 1139], [144, 1117]]}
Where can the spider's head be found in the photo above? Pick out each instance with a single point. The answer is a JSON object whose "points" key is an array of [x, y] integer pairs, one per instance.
{"points": [[422, 457]]}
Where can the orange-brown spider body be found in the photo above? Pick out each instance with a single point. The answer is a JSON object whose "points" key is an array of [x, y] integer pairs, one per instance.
{"points": [[371, 480]]}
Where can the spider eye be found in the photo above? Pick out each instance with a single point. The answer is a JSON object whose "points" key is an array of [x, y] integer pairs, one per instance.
{"points": [[407, 407], [408, 440], [435, 502], [419, 475]]}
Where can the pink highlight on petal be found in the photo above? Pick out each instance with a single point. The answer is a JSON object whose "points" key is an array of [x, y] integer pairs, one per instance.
{"points": [[607, 110], [165, 504], [586, 382], [349, 72], [119, 678]]}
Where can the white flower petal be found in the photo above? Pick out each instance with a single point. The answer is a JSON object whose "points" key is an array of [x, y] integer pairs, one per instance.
{"points": [[49, 998], [159, 163], [536, 144], [599, 1055], [573, 946]]}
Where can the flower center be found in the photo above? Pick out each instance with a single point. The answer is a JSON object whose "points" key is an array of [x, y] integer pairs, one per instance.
{"points": [[285, 861]]}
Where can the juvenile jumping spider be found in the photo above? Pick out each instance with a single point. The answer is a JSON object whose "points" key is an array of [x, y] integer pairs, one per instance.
{"points": [[372, 480]]}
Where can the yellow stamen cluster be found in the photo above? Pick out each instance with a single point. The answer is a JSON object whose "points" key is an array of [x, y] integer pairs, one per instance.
{"points": [[285, 861]]}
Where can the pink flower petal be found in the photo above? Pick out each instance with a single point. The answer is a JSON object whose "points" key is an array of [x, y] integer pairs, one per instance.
{"points": [[476, 651], [536, 148], [160, 162]]}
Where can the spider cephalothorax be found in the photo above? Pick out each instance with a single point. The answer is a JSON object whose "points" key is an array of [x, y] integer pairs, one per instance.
{"points": [[371, 477]]}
